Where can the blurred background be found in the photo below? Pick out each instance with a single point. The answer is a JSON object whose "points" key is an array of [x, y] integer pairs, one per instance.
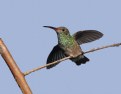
{"points": [[21, 29]]}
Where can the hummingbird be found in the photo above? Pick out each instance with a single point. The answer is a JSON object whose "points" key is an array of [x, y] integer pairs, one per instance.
{"points": [[69, 45]]}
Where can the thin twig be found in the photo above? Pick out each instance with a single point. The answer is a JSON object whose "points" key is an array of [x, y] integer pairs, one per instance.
{"points": [[103, 47], [41, 67], [92, 50]]}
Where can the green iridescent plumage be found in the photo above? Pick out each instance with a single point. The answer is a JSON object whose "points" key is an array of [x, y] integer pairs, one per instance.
{"points": [[69, 45], [66, 40]]}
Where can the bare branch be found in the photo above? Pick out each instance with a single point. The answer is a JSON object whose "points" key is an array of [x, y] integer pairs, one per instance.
{"points": [[18, 75], [103, 47], [92, 50], [41, 67]]}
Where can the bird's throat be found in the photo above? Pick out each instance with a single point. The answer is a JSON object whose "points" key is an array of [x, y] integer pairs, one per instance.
{"points": [[65, 40]]}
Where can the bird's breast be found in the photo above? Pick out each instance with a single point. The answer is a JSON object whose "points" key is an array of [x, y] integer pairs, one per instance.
{"points": [[70, 47], [74, 50]]}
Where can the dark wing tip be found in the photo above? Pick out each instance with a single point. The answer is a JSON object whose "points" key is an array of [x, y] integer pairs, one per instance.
{"points": [[96, 32], [87, 36], [93, 35], [56, 54], [48, 67], [100, 34]]}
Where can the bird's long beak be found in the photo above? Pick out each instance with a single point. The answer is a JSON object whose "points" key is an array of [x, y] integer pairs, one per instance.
{"points": [[54, 28]]}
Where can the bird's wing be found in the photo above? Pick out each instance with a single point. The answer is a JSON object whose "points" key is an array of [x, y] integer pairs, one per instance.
{"points": [[87, 36], [56, 54]]}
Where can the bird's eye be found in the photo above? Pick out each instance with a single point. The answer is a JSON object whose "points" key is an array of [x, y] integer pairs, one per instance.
{"points": [[63, 29]]}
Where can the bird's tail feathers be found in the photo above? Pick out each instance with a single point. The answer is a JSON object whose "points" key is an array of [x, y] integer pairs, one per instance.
{"points": [[81, 60]]}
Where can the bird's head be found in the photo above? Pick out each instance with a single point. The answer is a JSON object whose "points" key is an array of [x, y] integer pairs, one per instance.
{"points": [[59, 29]]}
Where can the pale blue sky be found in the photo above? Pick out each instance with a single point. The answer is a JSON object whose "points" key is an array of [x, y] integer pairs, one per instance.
{"points": [[21, 29]]}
